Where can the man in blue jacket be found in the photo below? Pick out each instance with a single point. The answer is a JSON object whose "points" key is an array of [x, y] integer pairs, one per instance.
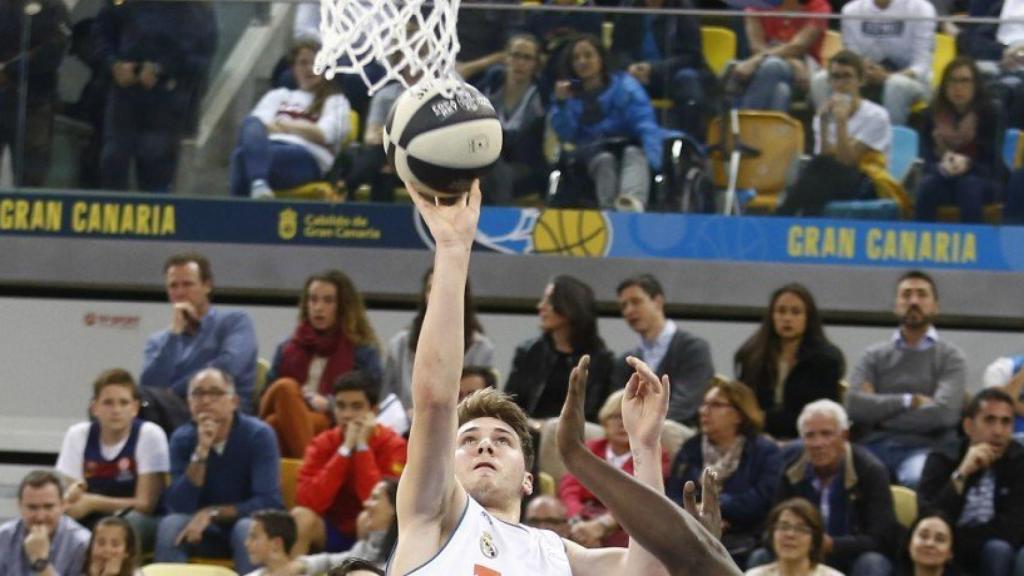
{"points": [[224, 466]]}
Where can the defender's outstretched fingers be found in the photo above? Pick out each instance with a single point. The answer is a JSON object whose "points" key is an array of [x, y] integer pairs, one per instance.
{"points": [[571, 423], [690, 498]]}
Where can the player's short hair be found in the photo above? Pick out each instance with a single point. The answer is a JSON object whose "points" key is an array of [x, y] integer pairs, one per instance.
{"points": [[114, 377], [186, 258], [277, 524], [491, 403]]}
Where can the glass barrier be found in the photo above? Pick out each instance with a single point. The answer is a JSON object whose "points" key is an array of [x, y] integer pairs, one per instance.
{"points": [[804, 108]]}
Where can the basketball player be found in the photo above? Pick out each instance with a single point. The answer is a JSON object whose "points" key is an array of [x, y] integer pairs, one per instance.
{"points": [[467, 472], [651, 519]]}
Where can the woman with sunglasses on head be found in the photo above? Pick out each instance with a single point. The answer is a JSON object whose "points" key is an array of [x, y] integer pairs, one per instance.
{"points": [[748, 465], [795, 534]]}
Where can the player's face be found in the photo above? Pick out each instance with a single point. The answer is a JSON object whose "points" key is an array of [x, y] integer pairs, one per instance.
{"points": [[42, 506], [184, 284], [639, 310], [549, 319], [586, 61], [257, 545], [115, 408], [322, 305], [916, 305], [489, 462], [109, 544], [789, 316], [302, 68]]}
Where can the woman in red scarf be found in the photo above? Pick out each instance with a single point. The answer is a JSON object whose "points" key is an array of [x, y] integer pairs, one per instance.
{"points": [[333, 338]]}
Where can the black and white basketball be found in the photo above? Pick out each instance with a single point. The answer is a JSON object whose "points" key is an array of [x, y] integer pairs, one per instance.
{"points": [[440, 144]]}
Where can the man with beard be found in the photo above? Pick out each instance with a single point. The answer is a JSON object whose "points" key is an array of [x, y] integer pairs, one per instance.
{"points": [[906, 393]]}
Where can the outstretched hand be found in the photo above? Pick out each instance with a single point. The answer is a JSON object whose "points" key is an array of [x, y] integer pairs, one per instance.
{"points": [[708, 513], [571, 423], [644, 404], [451, 224]]}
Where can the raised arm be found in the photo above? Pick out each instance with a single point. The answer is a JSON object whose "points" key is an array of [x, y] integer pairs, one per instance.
{"points": [[676, 538], [429, 497]]}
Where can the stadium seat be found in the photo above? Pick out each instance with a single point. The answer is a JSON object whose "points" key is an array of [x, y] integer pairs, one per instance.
{"points": [[1013, 149], [904, 501], [945, 52], [903, 161], [167, 569], [778, 140], [1013, 158], [289, 480], [719, 46]]}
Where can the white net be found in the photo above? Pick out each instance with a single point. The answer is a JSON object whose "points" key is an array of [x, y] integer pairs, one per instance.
{"points": [[413, 40]]}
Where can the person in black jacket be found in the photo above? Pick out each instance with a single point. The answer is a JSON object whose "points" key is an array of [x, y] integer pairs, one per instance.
{"points": [[541, 366], [685, 357], [49, 30], [860, 521], [664, 53], [978, 483], [789, 361]]}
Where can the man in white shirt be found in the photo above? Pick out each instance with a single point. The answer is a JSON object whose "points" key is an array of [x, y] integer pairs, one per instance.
{"points": [[897, 41]]}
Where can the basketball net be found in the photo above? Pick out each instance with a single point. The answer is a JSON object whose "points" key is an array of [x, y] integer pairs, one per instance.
{"points": [[414, 42]]}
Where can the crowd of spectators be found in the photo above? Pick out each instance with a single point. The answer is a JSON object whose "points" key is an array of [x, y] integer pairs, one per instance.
{"points": [[807, 464], [552, 75]]}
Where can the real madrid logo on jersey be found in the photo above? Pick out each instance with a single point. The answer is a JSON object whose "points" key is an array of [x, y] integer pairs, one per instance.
{"points": [[487, 546]]}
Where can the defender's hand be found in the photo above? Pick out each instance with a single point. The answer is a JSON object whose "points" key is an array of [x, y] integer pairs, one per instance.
{"points": [[708, 512], [569, 437]]}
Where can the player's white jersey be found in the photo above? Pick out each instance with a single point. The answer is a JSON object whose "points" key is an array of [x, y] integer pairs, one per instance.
{"points": [[482, 545]]}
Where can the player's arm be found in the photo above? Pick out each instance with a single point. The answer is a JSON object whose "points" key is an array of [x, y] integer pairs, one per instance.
{"points": [[428, 494], [676, 538]]}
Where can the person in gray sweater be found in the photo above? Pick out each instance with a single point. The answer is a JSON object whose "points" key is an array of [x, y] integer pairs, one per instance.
{"points": [[906, 393]]}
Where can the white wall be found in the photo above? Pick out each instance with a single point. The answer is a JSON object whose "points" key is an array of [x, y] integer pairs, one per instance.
{"points": [[51, 352]]}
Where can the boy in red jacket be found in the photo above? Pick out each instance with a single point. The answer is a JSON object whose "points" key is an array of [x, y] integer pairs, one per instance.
{"points": [[342, 465]]}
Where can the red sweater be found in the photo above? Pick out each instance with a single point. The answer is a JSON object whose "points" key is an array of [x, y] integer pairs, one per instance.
{"points": [[335, 486]]}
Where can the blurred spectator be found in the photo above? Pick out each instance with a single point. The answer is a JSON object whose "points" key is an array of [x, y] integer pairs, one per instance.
{"points": [[200, 335], [115, 462], [667, 349], [547, 513], [271, 536], [90, 107], [999, 50], [664, 53], [747, 463], [114, 549], [292, 136], [356, 567], [785, 51], [556, 29], [370, 165], [897, 53], [377, 530], [476, 378], [43, 540], [224, 466], [848, 486], [539, 379], [796, 535], [591, 524], [789, 362], [851, 140], [159, 55], [522, 168], [333, 338], [959, 142], [907, 392], [402, 346], [979, 483], [609, 119], [484, 35], [1005, 373], [342, 465], [48, 28], [930, 550], [1013, 212]]}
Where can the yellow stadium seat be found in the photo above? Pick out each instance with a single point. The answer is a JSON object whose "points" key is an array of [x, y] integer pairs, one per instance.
{"points": [[546, 485], [167, 569], [262, 367], [719, 45], [904, 501], [945, 52], [833, 43], [289, 480], [780, 140]]}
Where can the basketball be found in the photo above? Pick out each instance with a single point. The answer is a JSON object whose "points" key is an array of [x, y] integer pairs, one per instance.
{"points": [[439, 144]]}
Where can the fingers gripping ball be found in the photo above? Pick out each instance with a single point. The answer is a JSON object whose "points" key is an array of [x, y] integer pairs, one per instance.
{"points": [[440, 145]]}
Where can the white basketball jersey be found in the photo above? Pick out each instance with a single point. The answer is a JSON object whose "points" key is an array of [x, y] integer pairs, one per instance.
{"points": [[482, 545]]}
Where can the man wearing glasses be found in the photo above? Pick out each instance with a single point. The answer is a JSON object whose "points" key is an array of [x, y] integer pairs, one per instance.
{"points": [[851, 141], [224, 466], [848, 486]]}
